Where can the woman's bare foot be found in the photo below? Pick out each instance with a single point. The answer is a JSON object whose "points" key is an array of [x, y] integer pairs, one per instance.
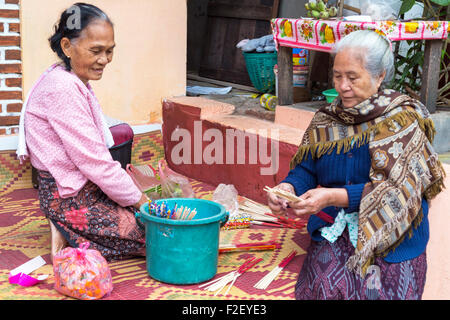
{"points": [[58, 242]]}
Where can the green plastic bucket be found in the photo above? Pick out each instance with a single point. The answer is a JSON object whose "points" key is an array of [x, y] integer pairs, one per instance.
{"points": [[183, 251], [260, 70]]}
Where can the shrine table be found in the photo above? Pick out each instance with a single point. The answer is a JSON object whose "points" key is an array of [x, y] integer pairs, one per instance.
{"points": [[322, 35]]}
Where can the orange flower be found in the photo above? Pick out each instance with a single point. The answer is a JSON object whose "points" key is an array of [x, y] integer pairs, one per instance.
{"points": [[306, 32]]}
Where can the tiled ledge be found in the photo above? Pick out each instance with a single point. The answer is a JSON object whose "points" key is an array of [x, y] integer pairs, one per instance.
{"points": [[291, 122]]}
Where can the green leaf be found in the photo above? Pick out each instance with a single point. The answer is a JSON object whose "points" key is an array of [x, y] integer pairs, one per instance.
{"points": [[441, 2], [418, 57], [407, 5]]}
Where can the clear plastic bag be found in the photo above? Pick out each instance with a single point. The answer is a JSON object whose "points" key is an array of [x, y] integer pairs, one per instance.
{"points": [[380, 9], [226, 195], [82, 273], [145, 177], [173, 185]]}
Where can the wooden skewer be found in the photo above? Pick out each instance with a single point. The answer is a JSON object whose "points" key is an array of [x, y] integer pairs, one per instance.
{"points": [[268, 224]]}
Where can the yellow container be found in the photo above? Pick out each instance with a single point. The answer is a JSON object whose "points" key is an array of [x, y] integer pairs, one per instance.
{"points": [[268, 101], [271, 103], [263, 99]]}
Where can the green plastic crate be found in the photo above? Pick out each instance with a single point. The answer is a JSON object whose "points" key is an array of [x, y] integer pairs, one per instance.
{"points": [[260, 70]]}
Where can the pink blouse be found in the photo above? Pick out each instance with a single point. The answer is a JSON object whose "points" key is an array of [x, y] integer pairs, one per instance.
{"points": [[63, 132]]}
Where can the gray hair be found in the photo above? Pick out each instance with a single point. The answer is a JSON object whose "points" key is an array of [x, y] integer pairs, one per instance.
{"points": [[378, 56]]}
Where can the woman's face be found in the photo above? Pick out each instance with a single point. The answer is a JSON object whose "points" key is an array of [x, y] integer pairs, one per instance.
{"points": [[351, 80], [91, 51]]}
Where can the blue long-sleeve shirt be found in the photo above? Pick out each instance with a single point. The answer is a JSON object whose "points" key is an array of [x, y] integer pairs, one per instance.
{"points": [[350, 170]]}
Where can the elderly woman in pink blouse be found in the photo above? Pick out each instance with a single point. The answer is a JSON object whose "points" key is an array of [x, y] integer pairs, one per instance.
{"points": [[84, 193]]}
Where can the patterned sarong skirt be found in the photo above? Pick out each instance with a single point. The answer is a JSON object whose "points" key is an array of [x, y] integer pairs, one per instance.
{"points": [[324, 275], [93, 217]]}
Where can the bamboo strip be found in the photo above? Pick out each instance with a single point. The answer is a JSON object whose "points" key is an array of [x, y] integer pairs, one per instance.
{"points": [[256, 211]]}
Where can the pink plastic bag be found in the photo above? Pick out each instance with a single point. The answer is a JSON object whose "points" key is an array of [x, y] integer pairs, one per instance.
{"points": [[82, 273], [173, 185]]}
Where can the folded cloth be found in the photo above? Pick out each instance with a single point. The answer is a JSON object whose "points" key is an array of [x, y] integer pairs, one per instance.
{"points": [[22, 151], [342, 220], [263, 44]]}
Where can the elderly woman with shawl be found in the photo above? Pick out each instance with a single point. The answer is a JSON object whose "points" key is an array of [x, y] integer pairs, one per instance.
{"points": [[365, 172]]}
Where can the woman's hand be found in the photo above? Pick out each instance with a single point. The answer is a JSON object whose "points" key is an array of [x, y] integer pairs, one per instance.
{"points": [[143, 200], [276, 204], [316, 199]]}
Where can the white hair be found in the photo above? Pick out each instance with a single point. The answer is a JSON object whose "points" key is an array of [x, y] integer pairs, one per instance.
{"points": [[377, 56]]}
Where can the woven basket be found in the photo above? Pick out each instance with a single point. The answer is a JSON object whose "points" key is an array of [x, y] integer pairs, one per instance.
{"points": [[260, 70]]}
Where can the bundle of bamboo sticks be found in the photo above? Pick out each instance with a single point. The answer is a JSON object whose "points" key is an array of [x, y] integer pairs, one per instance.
{"points": [[256, 211], [184, 213], [283, 194], [270, 277], [262, 215]]}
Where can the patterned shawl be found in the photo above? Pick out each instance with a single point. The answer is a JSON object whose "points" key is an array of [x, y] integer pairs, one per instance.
{"points": [[404, 167]]}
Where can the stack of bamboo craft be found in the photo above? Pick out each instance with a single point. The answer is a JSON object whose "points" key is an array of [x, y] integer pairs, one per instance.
{"points": [[262, 215]]}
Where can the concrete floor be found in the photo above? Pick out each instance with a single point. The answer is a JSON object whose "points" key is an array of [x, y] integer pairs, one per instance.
{"points": [[245, 102], [445, 157], [248, 102]]}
